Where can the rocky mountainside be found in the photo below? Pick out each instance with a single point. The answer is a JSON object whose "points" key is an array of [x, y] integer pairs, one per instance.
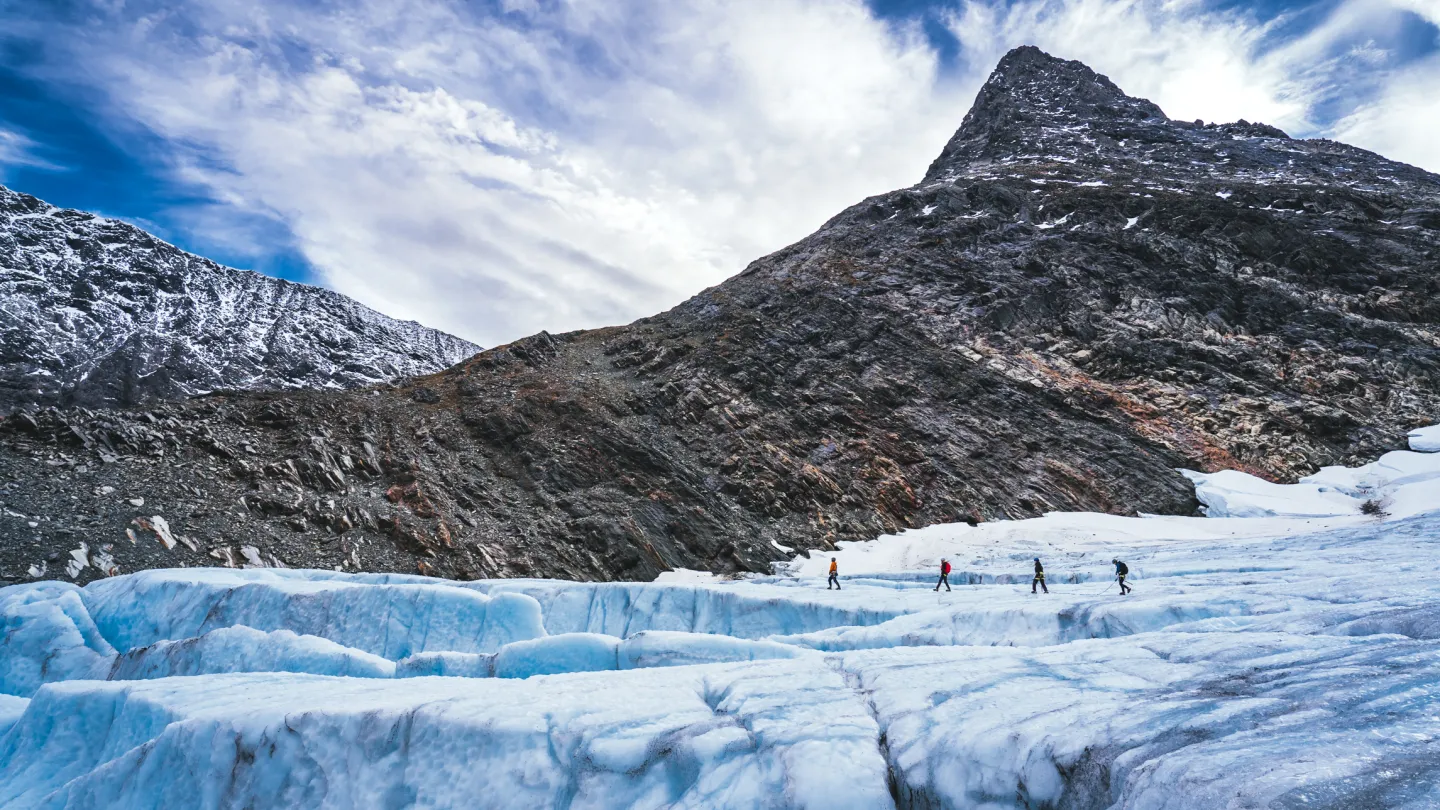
{"points": [[99, 313], [1079, 297]]}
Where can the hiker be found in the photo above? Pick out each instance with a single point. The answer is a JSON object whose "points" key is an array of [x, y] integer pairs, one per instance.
{"points": [[1122, 571], [834, 575], [1039, 577], [944, 575]]}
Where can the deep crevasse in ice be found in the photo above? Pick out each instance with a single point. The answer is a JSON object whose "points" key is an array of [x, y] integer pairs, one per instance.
{"points": [[1262, 661]]}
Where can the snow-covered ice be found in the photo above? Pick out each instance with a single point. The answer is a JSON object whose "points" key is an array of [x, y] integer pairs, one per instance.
{"points": [[1283, 659], [1401, 483], [1426, 439]]}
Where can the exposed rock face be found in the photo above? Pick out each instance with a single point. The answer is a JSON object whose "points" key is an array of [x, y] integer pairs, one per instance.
{"points": [[1079, 297], [99, 313]]}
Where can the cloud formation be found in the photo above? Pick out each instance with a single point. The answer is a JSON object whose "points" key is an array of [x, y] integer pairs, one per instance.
{"points": [[497, 169], [558, 167], [1402, 118], [18, 150]]}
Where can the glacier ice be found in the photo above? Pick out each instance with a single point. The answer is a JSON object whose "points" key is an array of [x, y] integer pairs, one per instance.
{"points": [[625, 608], [663, 648], [244, 649], [674, 737], [389, 620], [11, 708], [1264, 661], [567, 652], [48, 636], [447, 664]]}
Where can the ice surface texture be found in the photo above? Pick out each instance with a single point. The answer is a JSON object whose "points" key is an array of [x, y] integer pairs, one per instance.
{"points": [[1262, 662]]}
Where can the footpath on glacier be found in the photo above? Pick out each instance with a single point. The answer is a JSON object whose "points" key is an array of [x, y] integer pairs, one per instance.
{"points": [[1278, 653]]}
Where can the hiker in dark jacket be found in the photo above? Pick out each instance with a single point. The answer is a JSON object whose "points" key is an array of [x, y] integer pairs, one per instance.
{"points": [[1039, 577], [944, 575], [1122, 571]]}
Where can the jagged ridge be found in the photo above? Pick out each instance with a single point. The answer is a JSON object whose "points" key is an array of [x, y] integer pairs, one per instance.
{"points": [[100, 313]]}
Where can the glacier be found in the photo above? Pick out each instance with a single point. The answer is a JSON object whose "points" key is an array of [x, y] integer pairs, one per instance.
{"points": [[1280, 652]]}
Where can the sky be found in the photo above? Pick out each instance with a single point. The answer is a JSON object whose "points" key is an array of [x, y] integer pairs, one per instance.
{"points": [[498, 167]]}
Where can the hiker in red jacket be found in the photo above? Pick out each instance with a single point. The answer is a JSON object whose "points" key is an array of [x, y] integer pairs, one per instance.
{"points": [[944, 575]]}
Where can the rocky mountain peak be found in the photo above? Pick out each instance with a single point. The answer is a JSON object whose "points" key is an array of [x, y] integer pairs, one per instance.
{"points": [[1039, 110], [1032, 97]]}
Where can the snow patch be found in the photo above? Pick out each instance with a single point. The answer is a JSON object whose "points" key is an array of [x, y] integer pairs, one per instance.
{"points": [[1399, 484], [685, 575], [1425, 440]]}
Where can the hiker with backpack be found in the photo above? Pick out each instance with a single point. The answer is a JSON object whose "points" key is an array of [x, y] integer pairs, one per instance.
{"points": [[944, 575]]}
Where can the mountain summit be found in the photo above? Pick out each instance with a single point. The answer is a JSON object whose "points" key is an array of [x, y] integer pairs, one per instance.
{"points": [[1080, 297], [1034, 103], [100, 313]]}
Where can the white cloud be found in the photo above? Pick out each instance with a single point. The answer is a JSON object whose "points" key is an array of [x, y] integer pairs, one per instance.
{"points": [[18, 150], [1401, 117], [568, 165], [555, 169], [1403, 121]]}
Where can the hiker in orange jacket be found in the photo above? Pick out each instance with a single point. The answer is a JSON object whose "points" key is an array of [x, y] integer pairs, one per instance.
{"points": [[834, 576], [944, 575]]}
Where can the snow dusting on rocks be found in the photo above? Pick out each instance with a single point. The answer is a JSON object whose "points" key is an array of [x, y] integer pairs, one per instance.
{"points": [[100, 313]]}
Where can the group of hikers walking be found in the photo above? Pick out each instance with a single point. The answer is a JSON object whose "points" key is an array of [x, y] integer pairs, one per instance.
{"points": [[1121, 572]]}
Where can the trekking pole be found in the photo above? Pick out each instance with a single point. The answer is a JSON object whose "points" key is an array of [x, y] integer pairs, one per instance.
{"points": [[1104, 589]]}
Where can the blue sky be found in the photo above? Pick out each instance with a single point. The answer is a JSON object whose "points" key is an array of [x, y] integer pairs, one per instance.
{"points": [[495, 168]]}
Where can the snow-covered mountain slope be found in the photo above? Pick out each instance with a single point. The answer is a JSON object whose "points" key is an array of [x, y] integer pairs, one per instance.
{"points": [[96, 312], [1260, 662]]}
